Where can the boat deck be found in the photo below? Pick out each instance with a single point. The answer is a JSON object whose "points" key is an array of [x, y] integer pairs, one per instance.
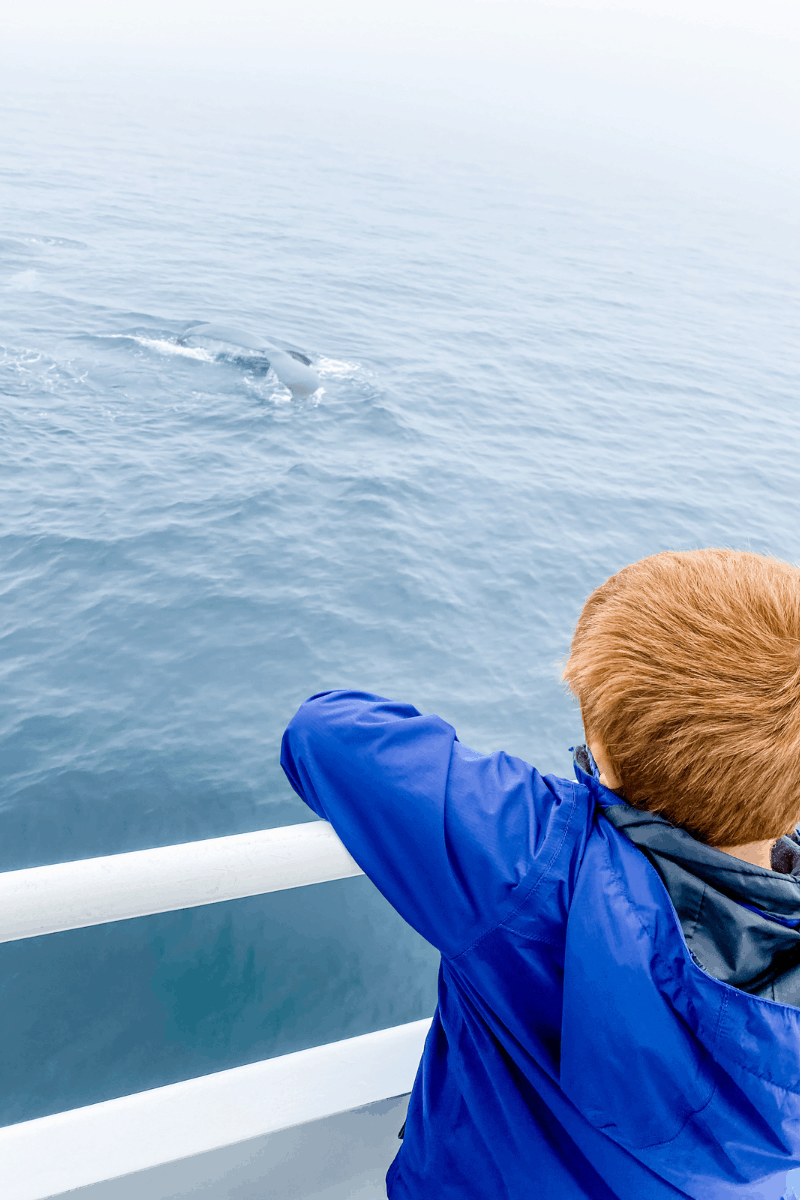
{"points": [[343, 1157]]}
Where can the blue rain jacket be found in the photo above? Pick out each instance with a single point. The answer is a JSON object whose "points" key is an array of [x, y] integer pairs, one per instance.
{"points": [[577, 1051]]}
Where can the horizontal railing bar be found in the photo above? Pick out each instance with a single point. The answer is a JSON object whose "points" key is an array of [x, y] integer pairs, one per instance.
{"points": [[51, 1155], [94, 891]]}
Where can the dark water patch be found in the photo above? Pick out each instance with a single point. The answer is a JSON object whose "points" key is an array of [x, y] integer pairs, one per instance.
{"points": [[104, 1012]]}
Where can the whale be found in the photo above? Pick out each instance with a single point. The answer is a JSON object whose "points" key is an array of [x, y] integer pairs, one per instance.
{"points": [[230, 344]]}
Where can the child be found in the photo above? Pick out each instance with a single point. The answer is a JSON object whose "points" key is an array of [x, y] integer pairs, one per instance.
{"points": [[618, 991]]}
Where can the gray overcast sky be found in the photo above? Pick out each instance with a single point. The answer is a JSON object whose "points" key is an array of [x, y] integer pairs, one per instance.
{"points": [[721, 72]]}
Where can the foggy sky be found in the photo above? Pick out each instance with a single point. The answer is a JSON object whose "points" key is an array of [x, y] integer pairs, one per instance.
{"points": [[716, 74]]}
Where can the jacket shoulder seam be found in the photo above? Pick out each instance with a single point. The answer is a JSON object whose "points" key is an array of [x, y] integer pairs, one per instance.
{"points": [[523, 899]]}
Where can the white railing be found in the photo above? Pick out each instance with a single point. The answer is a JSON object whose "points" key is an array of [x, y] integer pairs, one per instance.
{"points": [[94, 891], [49, 1155]]}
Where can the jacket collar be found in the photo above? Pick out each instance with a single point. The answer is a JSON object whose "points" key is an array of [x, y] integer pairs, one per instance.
{"points": [[740, 921]]}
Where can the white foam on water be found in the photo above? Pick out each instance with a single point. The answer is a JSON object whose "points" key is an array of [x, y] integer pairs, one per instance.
{"points": [[40, 240], [334, 368], [21, 360], [163, 346], [268, 388], [23, 281]]}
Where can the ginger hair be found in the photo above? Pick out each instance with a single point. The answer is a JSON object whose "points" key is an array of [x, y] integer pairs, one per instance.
{"points": [[686, 667]]}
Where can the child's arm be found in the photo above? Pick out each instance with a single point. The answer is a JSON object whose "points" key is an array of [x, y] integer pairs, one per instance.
{"points": [[447, 835]]}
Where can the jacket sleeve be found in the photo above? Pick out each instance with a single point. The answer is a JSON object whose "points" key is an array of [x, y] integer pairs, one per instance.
{"points": [[447, 835]]}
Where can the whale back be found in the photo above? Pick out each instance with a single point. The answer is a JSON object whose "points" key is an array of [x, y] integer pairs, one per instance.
{"points": [[226, 335]]}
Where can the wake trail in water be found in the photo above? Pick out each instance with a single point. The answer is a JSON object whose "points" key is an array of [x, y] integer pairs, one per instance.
{"points": [[162, 346]]}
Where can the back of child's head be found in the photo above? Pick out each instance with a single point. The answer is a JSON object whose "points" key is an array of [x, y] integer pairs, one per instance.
{"points": [[686, 668]]}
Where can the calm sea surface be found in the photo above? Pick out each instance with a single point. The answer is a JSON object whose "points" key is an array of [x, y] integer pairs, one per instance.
{"points": [[530, 378]]}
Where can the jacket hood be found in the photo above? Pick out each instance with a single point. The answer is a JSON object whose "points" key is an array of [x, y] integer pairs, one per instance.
{"points": [[740, 922]]}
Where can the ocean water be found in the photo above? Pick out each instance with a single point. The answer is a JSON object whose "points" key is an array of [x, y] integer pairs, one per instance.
{"points": [[531, 375]]}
